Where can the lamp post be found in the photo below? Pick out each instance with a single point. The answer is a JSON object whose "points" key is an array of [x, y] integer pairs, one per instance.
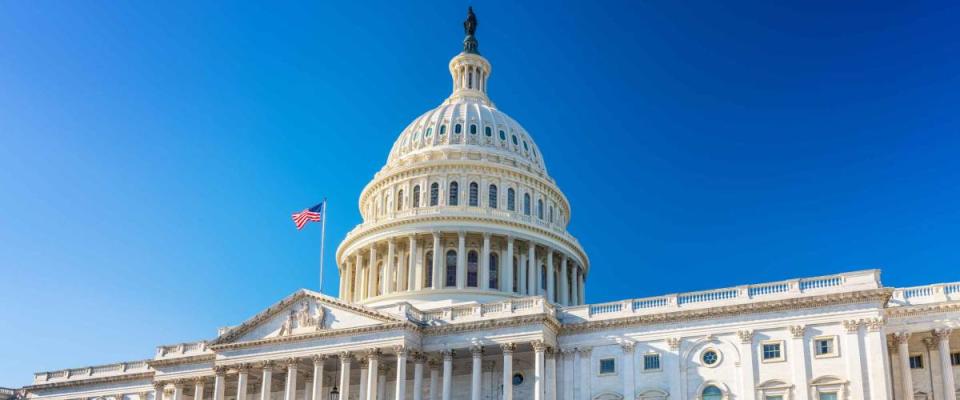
{"points": [[334, 393]]}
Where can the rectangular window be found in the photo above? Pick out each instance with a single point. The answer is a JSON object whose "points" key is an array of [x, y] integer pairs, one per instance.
{"points": [[827, 396], [772, 351], [825, 346], [651, 362], [916, 362], [775, 397], [608, 366], [955, 359]]}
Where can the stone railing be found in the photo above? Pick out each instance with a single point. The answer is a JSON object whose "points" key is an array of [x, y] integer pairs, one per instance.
{"points": [[936, 293], [182, 350], [851, 281], [468, 312], [97, 371]]}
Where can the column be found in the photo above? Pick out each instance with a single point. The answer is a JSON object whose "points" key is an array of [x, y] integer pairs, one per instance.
{"points": [[364, 378], [629, 385], [461, 260], [197, 390], [436, 261], [413, 278], [178, 389], [577, 382], [447, 373], [317, 387], [799, 366], [550, 277], [358, 288], [388, 268], [538, 376], [307, 392], [219, 381], [746, 365], [476, 371], [522, 274], [290, 391], [343, 279], [878, 365], [508, 269], [434, 379], [532, 273], [401, 385], [551, 368], [158, 390], [575, 280], [381, 383], [566, 380], [345, 375], [854, 367], [243, 370], [373, 366], [418, 376], [508, 349], [903, 351], [584, 373], [372, 272], [564, 281], [267, 379], [943, 345], [485, 263], [581, 288]]}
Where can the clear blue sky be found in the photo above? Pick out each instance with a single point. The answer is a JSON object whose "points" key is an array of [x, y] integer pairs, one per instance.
{"points": [[152, 152]]}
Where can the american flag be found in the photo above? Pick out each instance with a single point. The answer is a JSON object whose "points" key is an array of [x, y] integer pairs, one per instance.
{"points": [[314, 214]]}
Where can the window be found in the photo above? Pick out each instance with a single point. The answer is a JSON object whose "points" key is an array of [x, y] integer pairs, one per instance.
{"points": [[429, 131], [651, 362], [494, 271], [710, 358], [775, 397], [443, 129], [827, 396], [454, 194], [399, 199], [955, 359], [825, 346], [540, 209], [457, 128], [492, 196], [543, 279], [428, 263], [472, 270], [434, 193], [473, 129], [451, 269], [474, 194], [487, 131], [517, 379], [916, 361], [526, 203], [511, 200], [525, 146], [416, 196], [515, 140], [503, 135], [551, 214], [772, 351], [712, 393], [608, 366]]}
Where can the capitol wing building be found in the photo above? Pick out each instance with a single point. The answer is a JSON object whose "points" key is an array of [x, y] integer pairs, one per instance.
{"points": [[463, 283]]}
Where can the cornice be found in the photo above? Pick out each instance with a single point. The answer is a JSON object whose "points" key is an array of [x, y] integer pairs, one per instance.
{"points": [[181, 360], [922, 309], [409, 326], [80, 382], [881, 295], [546, 319]]}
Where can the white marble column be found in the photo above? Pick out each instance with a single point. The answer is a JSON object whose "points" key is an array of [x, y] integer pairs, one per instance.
{"points": [[508, 370], [629, 384], [901, 339], [414, 279], [267, 380], [434, 380], [522, 273], [197, 390], [290, 391], [178, 390], [798, 349], [538, 370], [575, 290], [461, 259], [437, 283], [581, 296], [401, 384], [447, 374], [389, 268], [533, 276], [242, 372], [567, 378], [317, 387], [475, 372], [508, 269], [564, 281], [342, 292], [381, 383], [364, 378], [551, 277], [584, 373], [345, 375], [158, 389], [851, 344], [746, 364], [942, 336], [359, 292], [372, 272], [307, 392], [485, 263], [418, 376], [219, 384], [551, 369], [878, 364], [373, 370]]}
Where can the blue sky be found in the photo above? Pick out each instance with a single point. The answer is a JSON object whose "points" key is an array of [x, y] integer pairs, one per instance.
{"points": [[152, 152]]}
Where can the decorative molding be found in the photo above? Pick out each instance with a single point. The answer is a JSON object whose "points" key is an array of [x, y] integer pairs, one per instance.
{"points": [[508, 347], [942, 334], [797, 331], [674, 343], [745, 335], [852, 325]]}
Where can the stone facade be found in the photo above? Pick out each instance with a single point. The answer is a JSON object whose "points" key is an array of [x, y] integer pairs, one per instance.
{"points": [[462, 282]]}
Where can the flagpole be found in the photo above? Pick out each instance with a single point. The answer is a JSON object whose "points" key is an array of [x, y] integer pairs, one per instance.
{"points": [[323, 236]]}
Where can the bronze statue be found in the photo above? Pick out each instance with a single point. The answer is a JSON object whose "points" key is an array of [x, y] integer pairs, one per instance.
{"points": [[470, 25]]}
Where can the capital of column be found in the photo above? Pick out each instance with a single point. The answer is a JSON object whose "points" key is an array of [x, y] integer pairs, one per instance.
{"points": [[178, 383], [942, 334], [674, 343], [874, 324], [269, 364], [418, 357], [344, 356], [486, 235], [373, 354], [243, 368], [433, 363], [539, 346], [628, 346], [508, 347], [199, 380], [220, 370], [401, 351], [362, 363], [448, 355], [319, 358], [290, 363], [899, 338], [584, 351], [745, 335], [797, 331], [852, 325], [476, 351]]}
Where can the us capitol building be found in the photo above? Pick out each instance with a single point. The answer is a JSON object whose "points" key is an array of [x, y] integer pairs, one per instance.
{"points": [[463, 283]]}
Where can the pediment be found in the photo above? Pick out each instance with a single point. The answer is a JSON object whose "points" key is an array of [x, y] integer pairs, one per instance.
{"points": [[302, 313]]}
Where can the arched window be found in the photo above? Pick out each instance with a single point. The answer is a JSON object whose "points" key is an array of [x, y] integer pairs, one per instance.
{"points": [[454, 194], [474, 194], [457, 128], [443, 129], [429, 131], [472, 270], [416, 196], [503, 135], [511, 199], [451, 269], [494, 271], [434, 193], [712, 393], [473, 129], [526, 203], [515, 142], [540, 208], [492, 200], [399, 199], [428, 267], [487, 131]]}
